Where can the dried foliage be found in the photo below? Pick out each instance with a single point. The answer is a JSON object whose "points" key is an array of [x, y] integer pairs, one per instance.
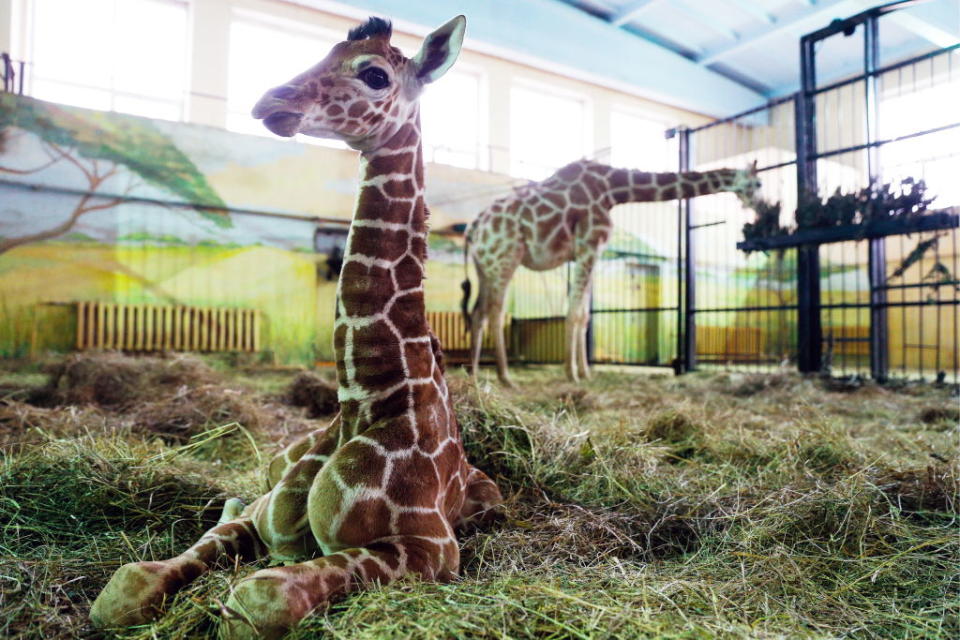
{"points": [[315, 393], [705, 506], [875, 202], [114, 380]]}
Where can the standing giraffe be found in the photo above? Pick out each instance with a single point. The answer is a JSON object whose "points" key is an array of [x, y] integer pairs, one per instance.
{"points": [[378, 494], [566, 217]]}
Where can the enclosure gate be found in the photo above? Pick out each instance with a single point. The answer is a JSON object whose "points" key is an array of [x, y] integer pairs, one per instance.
{"points": [[881, 306]]}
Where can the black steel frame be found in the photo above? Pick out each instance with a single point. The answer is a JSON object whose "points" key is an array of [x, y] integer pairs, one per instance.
{"points": [[12, 74], [810, 331], [809, 307]]}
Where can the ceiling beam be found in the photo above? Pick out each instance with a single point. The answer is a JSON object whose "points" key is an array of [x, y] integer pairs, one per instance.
{"points": [[708, 21], [930, 32], [847, 70], [936, 21], [630, 11], [757, 11], [820, 11]]}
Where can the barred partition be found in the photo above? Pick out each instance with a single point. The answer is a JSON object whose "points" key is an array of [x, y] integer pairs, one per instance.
{"points": [[740, 308], [673, 289], [885, 305]]}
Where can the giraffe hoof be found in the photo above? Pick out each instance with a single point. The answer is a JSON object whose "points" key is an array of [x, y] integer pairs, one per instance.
{"points": [[134, 595], [257, 608]]}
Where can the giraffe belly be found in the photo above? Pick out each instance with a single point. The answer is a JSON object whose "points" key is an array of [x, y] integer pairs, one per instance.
{"points": [[541, 258]]}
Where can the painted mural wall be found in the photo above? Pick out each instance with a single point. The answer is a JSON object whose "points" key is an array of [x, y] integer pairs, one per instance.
{"points": [[107, 207]]}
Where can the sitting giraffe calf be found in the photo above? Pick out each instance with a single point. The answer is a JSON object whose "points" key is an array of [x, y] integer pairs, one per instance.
{"points": [[378, 494]]}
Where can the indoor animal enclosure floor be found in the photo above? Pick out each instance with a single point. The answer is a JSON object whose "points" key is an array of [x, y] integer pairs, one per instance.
{"points": [[703, 506]]}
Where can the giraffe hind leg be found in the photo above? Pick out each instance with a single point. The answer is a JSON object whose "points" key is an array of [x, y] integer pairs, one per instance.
{"points": [[481, 499], [272, 601]]}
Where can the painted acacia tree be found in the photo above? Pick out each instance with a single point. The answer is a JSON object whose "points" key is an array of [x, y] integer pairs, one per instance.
{"points": [[100, 147]]}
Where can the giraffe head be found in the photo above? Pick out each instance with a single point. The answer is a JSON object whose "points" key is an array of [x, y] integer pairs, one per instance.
{"points": [[746, 183], [364, 90]]}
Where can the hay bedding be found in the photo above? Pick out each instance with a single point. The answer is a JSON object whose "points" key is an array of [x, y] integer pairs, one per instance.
{"points": [[703, 506]]}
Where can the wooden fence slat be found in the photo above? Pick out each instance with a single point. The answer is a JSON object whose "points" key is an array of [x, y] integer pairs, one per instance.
{"points": [[221, 329], [101, 325], [109, 333], [121, 326], [177, 327], [81, 323], [148, 327], [194, 330], [149, 331]]}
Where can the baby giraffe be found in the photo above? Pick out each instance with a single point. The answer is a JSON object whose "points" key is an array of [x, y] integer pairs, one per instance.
{"points": [[378, 494]]}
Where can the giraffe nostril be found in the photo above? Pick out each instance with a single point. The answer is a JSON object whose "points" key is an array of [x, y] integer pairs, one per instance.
{"points": [[285, 92]]}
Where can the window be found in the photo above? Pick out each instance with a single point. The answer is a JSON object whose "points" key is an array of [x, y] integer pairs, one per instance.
{"points": [[121, 55], [453, 121], [639, 143], [935, 157], [263, 54], [546, 131]]}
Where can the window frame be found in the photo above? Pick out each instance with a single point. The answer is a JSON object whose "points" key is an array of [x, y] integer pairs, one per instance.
{"points": [[282, 24], [24, 37], [539, 86], [482, 160], [653, 117]]}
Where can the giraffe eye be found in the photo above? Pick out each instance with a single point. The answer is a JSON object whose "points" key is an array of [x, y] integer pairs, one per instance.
{"points": [[375, 78]]}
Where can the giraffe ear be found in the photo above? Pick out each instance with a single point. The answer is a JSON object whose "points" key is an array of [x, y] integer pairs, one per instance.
{"points": [[439, 50]]}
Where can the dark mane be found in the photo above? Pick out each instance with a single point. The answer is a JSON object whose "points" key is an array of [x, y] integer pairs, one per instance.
{"points": [[371, 28]]}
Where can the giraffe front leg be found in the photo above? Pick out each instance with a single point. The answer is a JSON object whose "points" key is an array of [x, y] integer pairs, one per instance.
{"points": [[587, 248], [582, 360], [503, 371], [136, 592], [273, 601]]}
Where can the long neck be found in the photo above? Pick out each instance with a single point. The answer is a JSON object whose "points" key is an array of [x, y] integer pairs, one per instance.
{"points": [[381, 339], [629, 185]]}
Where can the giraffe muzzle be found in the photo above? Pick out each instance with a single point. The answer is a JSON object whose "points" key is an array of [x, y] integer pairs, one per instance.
{"points": [[283, 123]]}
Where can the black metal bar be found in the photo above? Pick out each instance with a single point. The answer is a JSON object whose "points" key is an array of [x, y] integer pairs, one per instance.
{"points": [[890, 67], [689, 268], [936, 221], [779, 165], [172, 204], [846, 25], [708, 224], [636, 310], [539, 319], [921, 285], [679, 360], [891, 305], [809, 327], [877, 254], [7, 72], [743, 114], [773, 307], [880, 143]]}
